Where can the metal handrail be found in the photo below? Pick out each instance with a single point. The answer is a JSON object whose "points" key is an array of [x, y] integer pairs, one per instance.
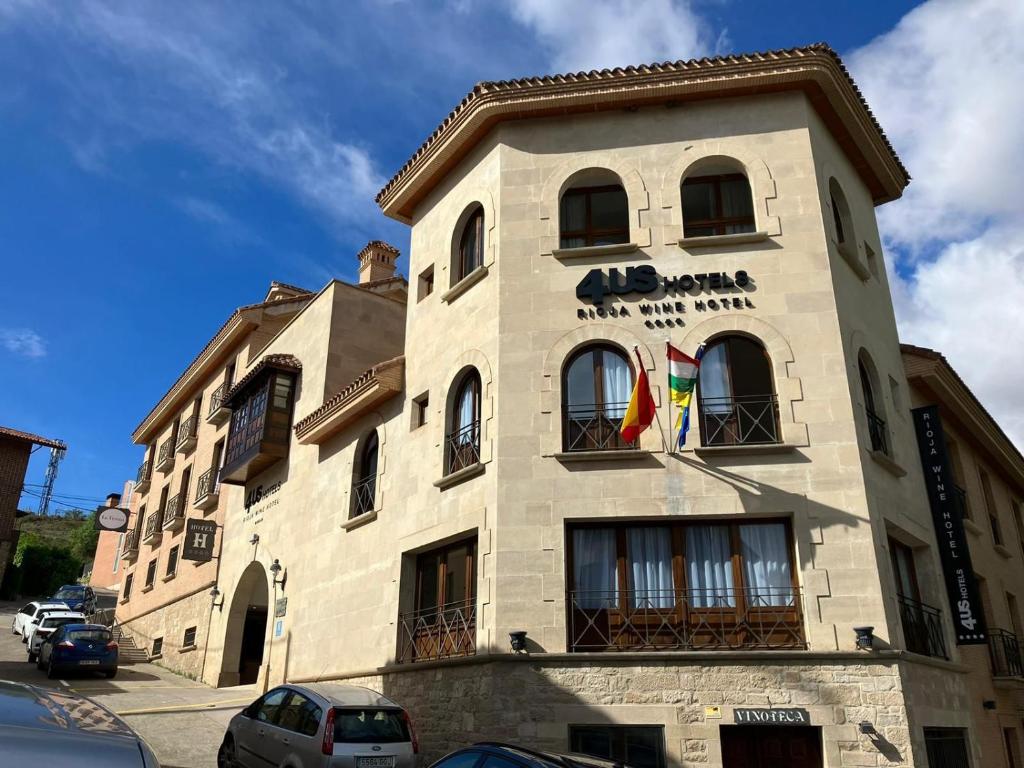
{"points": [[1004, 650], [154, 523], [363, 494], [209, 483], [438, 633], [594, 427], [131, 543], [922, 628], [876, 431], [175, 509], [686, 619], [143, 474], [742, 420], [462, 448], [166, 450], [187, 430], [217, 398]]}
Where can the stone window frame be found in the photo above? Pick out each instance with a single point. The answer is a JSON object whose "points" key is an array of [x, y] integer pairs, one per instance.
{"points": [[372, 423], [788, 388], [470, 202], [699, 153], [561, 178], [444, 404]]}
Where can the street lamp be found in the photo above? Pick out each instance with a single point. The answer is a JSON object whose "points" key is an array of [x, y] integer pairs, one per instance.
{"points": [[214, 594], [275, 569]]}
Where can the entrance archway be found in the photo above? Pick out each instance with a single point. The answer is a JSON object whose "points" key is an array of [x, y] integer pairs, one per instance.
{"points": [[246, 635]]}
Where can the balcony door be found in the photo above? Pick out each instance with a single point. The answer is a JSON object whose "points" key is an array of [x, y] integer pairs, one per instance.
{"points": [[597, 384], [443, 623], [736, 394]]}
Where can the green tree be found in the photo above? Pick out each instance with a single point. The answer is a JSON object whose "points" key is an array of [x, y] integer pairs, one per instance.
{"points": [[83, 539]]}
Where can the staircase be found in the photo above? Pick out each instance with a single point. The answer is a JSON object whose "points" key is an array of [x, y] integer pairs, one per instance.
{"points": [[127, 651]]}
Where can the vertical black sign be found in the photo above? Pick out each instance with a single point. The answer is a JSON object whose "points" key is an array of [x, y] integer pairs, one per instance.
{"points": [[199, 536], [961, 586]]}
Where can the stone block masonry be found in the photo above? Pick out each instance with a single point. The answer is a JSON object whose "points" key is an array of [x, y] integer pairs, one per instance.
{"points": [[170, 623]]}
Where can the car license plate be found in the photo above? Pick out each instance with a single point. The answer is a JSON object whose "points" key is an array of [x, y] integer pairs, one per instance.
{"points": [[89, 661], [375, 762]]}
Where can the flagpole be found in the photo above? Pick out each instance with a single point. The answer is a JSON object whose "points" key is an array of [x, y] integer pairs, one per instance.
{"points": [[668, 374]]}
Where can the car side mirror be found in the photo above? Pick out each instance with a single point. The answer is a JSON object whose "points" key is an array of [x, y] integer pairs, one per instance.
{"points": [[252, 709]]}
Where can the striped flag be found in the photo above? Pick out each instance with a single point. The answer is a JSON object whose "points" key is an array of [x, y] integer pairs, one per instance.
{"points": [[640, 412], [682, 380]]}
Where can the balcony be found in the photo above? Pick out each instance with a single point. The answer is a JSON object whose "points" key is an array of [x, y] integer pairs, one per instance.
{"points": [[130, 546], [363, 495], [219, 413], [154, 528], [594, 427], [1004, 649], [686, 620], [877, 433], [143, 477], [261, 420], [188, 435], [207, 490], [922, 628], [174, 515], [437, 633], [462, 448], [743, 420], [165, 457]]}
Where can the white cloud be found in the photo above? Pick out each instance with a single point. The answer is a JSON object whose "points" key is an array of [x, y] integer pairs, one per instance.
{"points": [[23, 341], [595, 34], [945, 85]]}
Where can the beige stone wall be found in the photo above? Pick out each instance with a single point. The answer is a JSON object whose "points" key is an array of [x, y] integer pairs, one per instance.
{"points": [[170, 623]]}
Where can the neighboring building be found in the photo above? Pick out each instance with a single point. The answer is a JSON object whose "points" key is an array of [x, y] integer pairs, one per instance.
{"points": [[420, 487], [15, 448], [989, 473], [107, 565], [162, 599]]}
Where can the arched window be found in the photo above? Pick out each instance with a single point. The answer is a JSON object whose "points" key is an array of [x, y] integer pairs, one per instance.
{"points": [[736, 394], [841, 218], [462, 444], [364, 487], [717, 201], [471, 244], [594, 211], [872, 406], [596, 384]]}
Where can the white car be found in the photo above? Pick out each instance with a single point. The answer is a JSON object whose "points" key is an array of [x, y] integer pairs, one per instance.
{"points": [[26, 619], [46, 626]]}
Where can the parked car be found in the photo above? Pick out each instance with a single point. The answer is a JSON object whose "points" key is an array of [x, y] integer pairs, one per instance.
{"points": [[43, 727], [26, 619], [48, 624], [497, 755], [320, 725], [77, 596], [78, 647]]}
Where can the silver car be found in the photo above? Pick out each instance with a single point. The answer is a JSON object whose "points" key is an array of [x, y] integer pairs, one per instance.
{"points": [[321, 725]]}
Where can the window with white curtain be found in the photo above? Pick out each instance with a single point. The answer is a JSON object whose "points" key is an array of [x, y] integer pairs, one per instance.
{"points": [[765, 556], [649, 552], [709, 567], [594, 567], [597, 383]]}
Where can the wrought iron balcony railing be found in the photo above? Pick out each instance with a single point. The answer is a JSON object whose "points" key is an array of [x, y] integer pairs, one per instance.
{"points": [[143, 477], [208, 489], [1004, 648], [130, 545], [462, 448], [594, 427], [744, 420], [686, 620], [922, 628], [174, 514], [154, 525], [218, 413], [188, 434], [363, 494], [877, 433], [438, 633], [165, 456]]}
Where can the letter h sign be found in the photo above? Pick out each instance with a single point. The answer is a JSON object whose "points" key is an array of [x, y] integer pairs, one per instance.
{"points": [[199, 540]]}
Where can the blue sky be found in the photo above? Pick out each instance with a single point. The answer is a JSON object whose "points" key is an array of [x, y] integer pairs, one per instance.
{"points": [[193, 152]]}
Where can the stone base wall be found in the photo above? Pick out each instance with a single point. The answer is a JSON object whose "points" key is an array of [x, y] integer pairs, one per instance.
{"points": [[170, 623], [533, 701]]}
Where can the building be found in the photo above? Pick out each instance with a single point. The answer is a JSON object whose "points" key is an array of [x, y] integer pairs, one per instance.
{"points": [[15, 449], [107, 564], [433, 498]]}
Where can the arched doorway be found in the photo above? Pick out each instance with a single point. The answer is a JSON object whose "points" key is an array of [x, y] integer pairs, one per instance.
{"points": [[247, 628]]}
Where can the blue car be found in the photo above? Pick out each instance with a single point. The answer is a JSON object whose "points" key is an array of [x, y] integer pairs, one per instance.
{"points": [[77, 597], [78, 648]]}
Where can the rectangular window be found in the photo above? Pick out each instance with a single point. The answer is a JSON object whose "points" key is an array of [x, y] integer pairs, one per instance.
{"points": [[158, 646], [190, 638], [639, 746], [903, 569], [419, 410], [990, 507], [426, 283], [947, 747], [151, 573], [1015, 620], [172, 561], [119, 551], [693, 585], [126, 591]]}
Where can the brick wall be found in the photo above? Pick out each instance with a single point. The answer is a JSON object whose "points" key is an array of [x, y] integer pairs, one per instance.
{"points": [[13, 464]]}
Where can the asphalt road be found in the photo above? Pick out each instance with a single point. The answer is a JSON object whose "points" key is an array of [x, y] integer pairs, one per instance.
{"points": [[182, 720]]}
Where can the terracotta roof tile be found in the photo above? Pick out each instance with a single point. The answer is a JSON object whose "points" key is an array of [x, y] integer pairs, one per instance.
{"points": [[389, 374], [28, 437]]}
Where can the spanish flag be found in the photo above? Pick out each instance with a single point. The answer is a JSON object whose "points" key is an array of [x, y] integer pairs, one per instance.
{"points": [[640, 412]]}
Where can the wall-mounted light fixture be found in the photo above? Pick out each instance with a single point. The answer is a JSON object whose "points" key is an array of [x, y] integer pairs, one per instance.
{"points": [[517, 640], [275, 569], [865, 637], [254, 539], [865, 727], [214, 594], [989, 704]]}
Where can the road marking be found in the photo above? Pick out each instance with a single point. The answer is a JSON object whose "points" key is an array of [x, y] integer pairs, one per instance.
{"points": [[144, 687], [64, 683], [182, 707]]}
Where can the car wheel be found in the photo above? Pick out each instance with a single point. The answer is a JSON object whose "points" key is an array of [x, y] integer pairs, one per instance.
{"points": [[50, 671], [39, 663], [111, 674], [226, 753], [32, 657]]}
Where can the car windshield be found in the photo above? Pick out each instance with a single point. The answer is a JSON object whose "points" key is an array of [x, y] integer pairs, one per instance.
{"points": [[53, 623], [369, 726], [95, 635], [70, 592]]}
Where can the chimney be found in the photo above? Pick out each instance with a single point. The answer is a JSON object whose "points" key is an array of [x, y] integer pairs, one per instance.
{"points": [[377, 262], [113, 499]]}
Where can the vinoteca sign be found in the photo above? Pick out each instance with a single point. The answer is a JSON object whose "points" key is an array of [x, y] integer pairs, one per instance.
{"points": [[762, 716]]}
